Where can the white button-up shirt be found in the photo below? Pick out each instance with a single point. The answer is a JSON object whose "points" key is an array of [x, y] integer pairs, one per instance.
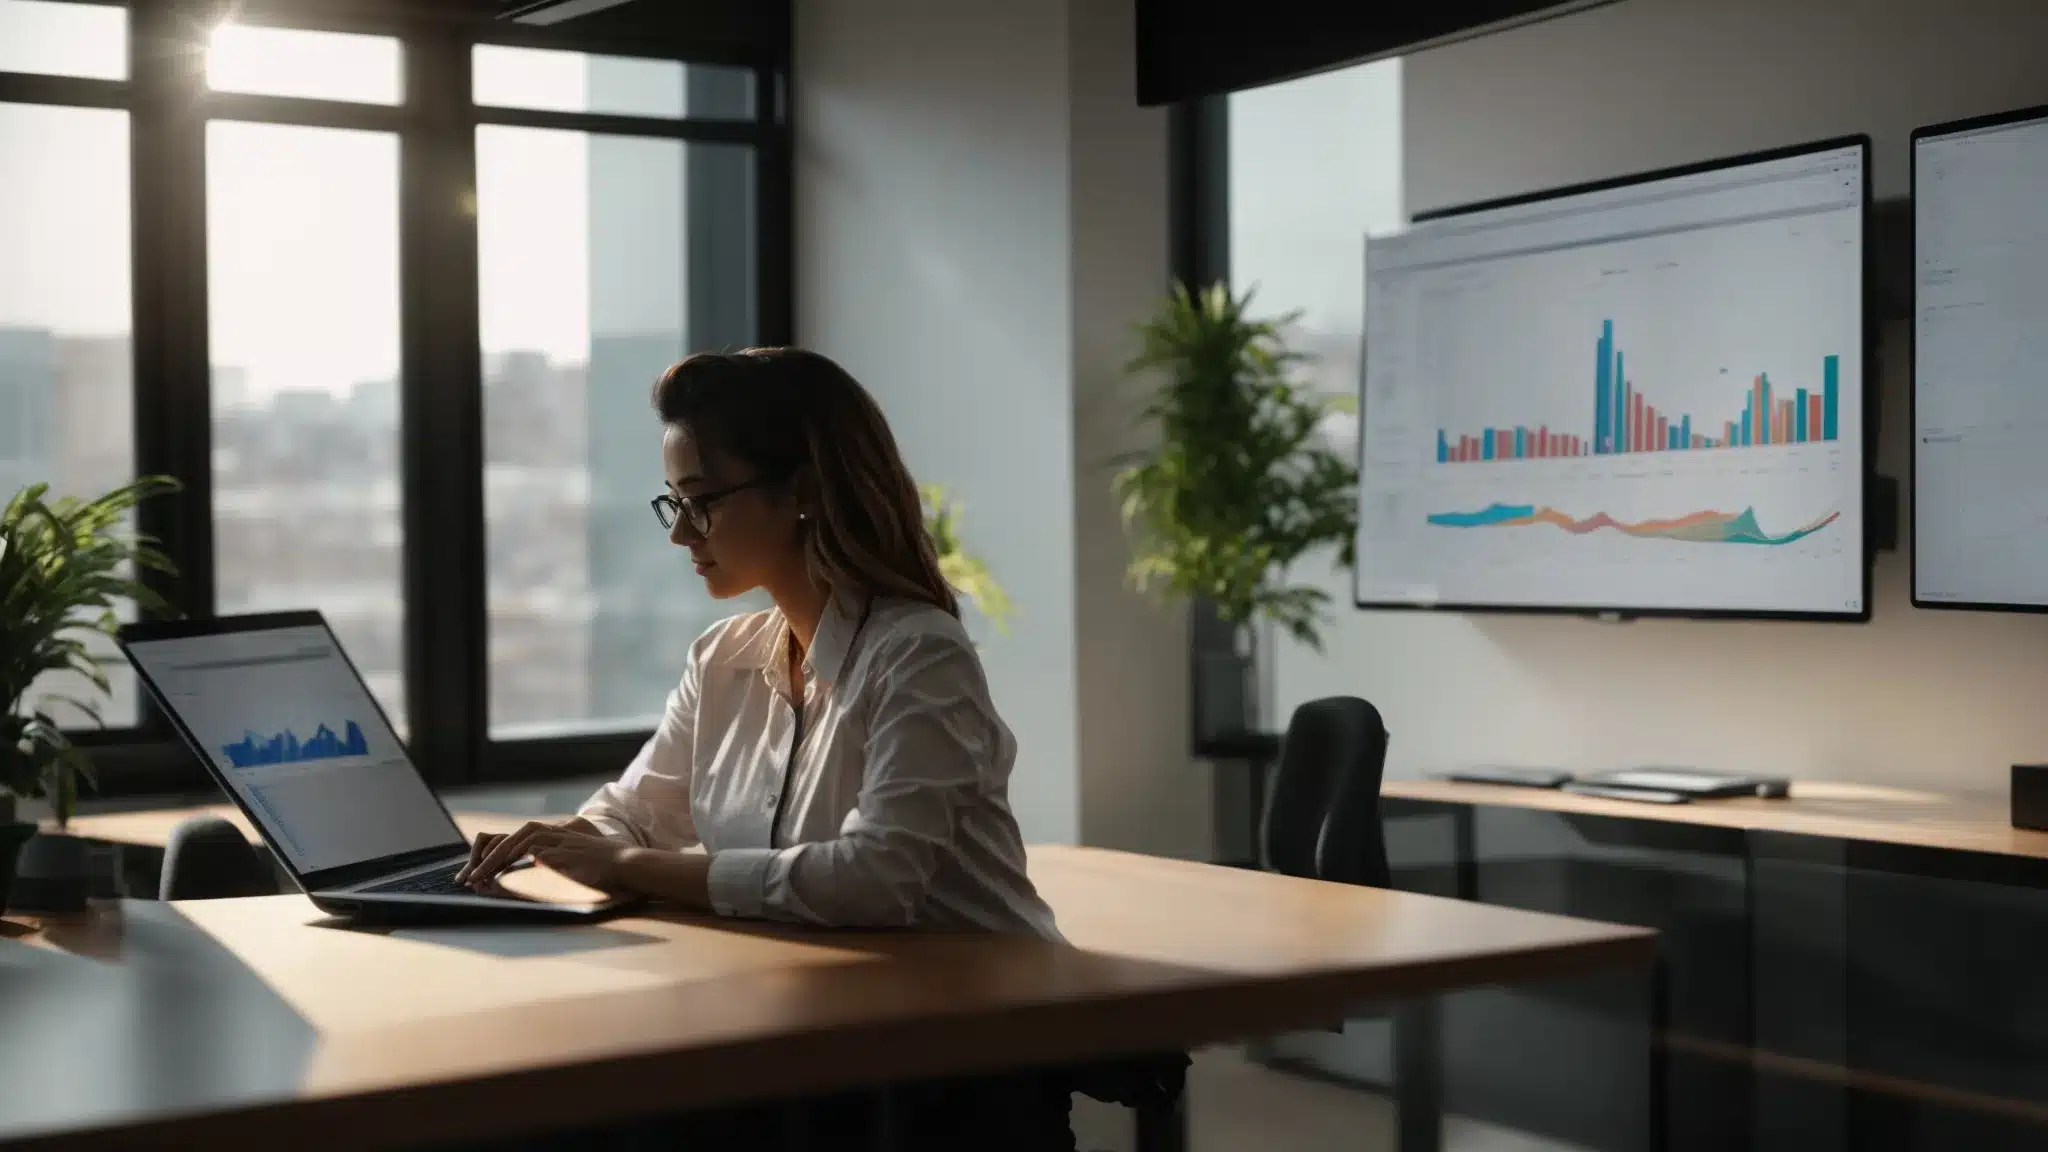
{"points": [[897, 804]]}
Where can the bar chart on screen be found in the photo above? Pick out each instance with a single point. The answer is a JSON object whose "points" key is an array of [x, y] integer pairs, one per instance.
{"points": [[1648, 398], [1626, 421]]}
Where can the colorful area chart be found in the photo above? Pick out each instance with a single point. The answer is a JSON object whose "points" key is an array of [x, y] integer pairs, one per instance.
{"points": [[1698, 527]]}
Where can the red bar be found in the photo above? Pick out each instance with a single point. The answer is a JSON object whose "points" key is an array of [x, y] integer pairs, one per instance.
{"points": [[1663, 438], [1785, 420], [1814, 412], [1756, 410], [1728, 434], [1635, 422], [1542, 440]]}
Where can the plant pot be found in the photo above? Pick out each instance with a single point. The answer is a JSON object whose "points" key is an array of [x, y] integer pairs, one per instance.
{"points": [[52, 874], [12, 837], [1254, 666]]}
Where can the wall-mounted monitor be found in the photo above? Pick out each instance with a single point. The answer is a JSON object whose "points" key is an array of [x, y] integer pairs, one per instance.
{"points": [[1980, 363], [1639, 397]]}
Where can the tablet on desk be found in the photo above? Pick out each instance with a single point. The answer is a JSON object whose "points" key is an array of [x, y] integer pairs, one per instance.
{"points": [[1633, 795], [1692, 782], [1503, 774]]}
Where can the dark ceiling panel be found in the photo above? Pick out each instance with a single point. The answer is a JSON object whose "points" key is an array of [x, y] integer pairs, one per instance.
{"points": [[1191, 48]]}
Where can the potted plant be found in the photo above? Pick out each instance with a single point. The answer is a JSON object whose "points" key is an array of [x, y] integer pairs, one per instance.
{"points": [[1240, 484], [65, 565], [965, 571]]}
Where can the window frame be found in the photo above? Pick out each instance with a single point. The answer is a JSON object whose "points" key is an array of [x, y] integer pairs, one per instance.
{"points": [[445, 582]]}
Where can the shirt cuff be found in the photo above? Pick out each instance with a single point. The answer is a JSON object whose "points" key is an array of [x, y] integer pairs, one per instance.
{"points": [[611, 827], [738, 880]]}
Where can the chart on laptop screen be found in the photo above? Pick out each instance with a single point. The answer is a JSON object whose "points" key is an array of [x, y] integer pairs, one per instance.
{"points": [[287, 723]]}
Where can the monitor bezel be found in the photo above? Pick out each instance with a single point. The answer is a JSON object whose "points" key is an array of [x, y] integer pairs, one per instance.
{"points": [[1867, 472], [338, 876], [2033, 113]]}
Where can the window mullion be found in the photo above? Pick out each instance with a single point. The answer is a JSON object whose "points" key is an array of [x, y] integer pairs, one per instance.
{"points": [[441, 407]]}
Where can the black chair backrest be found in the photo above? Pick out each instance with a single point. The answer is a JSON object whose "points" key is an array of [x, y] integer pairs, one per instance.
{"points": [[208, 858], [1323, 820]]}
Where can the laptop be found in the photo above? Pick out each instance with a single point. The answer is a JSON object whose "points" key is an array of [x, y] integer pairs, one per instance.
{"points": [[283, 721]]}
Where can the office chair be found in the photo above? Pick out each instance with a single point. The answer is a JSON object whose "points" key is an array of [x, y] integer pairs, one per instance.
{"points": [[208, 858], [1323, 821]]}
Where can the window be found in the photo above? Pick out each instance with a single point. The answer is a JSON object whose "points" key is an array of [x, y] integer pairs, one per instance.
{"points": [[302, 270], [66, 358], [51, 39], [315, 65], [1315, 164], [551, 81], [602, 259], [389, 302]]}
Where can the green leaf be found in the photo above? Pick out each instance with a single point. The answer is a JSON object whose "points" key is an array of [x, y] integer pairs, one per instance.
{"points": [[1238, 486], [965, 572], [66, 568]]}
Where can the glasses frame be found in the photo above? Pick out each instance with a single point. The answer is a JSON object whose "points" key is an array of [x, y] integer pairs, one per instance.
{"points": [[669, 508]]}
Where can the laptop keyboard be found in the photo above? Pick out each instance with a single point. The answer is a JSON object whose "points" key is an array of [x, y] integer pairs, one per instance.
{"points": [[427, 884]]}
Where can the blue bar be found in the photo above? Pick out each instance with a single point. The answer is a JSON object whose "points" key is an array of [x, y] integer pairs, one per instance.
{"points": [[1742, 429], [1763, 416], [1443, 447], [1521, 442], [1486, 451], [1685, 432], [1603, 392], [1830, 380], [1799, 429]]}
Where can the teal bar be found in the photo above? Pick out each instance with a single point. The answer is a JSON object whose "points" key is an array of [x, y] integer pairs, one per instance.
{"points": [[1799, 431], [1831, 369]]}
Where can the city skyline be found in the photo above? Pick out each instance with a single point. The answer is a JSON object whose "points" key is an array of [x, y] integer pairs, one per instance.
{"points": [[302, 230]]}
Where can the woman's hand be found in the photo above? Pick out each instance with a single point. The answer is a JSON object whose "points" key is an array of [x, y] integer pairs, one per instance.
{"points": [[494, 852], [591, 861]]}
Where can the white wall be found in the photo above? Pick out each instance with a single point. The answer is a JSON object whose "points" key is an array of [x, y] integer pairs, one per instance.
{"points": [[1936, 700], [1139, 790], [980, 214]]}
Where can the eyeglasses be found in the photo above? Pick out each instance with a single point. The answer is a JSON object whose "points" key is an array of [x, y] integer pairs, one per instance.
{"points": [[696, 510]]}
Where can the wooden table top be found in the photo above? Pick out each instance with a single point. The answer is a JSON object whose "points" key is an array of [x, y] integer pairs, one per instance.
{"points": [[1815, 808], [235, 1021]]}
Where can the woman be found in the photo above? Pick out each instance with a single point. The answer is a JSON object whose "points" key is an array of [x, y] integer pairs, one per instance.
{"points": [[835, 760]]}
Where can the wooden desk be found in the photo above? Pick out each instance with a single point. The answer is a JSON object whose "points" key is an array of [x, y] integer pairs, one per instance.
{"points": [[151, 827], [239, 1022], [1873, 815]]}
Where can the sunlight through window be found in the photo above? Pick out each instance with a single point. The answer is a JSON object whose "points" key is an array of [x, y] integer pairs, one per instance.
{"points": [[296, 62]]}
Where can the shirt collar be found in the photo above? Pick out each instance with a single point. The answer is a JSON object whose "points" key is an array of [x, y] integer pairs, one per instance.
{"points": [[829, 649]]}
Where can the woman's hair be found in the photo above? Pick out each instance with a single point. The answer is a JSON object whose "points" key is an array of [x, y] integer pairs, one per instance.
{"points": [[788, 412]]}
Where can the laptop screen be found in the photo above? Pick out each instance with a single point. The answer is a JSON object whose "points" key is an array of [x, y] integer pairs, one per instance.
{"points": [[291, 728]]}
